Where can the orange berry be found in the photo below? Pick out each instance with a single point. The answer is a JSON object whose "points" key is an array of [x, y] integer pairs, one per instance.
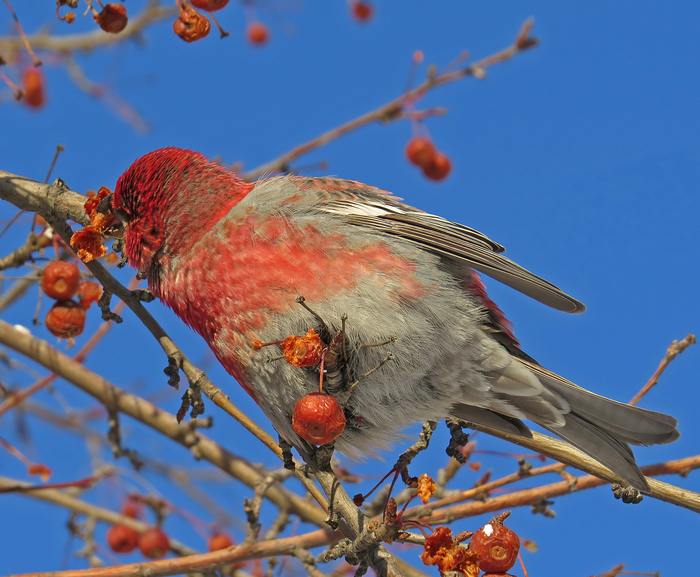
{"points": [[66, 319], [363, 11], [112, 18], [318, 418], [190, 24], [60, 280], [497, 547], [89, 292], [33, 87], [154, 543], [420, 151], [439, 168], [122, 539], [209, 5], [257, 33], [303, 351], [219, 541]]}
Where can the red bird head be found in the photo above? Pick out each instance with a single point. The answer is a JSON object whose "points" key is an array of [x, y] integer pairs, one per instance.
{"points": [[167, 199]]}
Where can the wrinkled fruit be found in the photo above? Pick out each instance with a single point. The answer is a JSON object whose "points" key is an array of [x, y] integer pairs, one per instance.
{"points": [[66, 319], [420, 151], [60, 280], [191, 25], [496, 546], [89, 292], [154, 543], [303, 351], [318, 418], [219, 541], [122, 539], [439, 168], [112, 18]]}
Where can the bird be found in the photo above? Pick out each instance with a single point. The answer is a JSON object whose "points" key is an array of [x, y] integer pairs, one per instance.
{"points": [[234, 260]]}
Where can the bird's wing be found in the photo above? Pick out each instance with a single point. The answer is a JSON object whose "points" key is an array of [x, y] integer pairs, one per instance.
{"points": [[368, 207]]}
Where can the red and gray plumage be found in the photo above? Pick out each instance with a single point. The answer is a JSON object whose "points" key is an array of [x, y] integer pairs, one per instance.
{"points": [[230, 258]]}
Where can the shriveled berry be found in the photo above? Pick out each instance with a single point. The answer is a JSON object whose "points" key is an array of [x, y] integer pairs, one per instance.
{"points": [[89, 292], [257, 33], [122, 539], [60, 280], [363, 11], [190, 24], [209, 5], [154, 543], [420, 151], [318, 418], [219, 541], [33, 87], [112, 18], [303, 351], [439, 168], [496, 546], [66, 319]]}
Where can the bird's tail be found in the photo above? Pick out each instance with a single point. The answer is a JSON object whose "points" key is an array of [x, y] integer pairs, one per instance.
{"points": [[600, 427]]}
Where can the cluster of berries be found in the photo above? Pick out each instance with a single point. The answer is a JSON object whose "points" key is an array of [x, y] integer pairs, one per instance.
{"points": [[153, 542], [318, 418], [62, 281], [422, 152], [492, 549]]}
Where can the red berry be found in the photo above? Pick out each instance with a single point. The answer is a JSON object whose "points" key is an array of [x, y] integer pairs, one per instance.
{"points": [[496, 546], [219, 541], [66, 319], [439, 168], [190, 24], [209, 5], [122, 539], [33, 87], [60, 280], [112, 18], [257, 33], [363, 11], [420, 151], [318, 418], [154, 543], [89, 292]]}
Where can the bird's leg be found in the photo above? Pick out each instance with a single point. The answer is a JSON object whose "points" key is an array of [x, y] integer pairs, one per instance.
{"points": [[458, 438]]}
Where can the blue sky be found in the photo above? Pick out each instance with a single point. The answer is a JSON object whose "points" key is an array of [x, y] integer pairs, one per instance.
{"points": [[580, 156]]}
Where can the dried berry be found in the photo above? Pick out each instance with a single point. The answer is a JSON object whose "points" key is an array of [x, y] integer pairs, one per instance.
{"points": [[60, 280], [219, 541], [318, 418], [496, 546], [303, 351], [89, 292], [112, 18], [122, 539], [190, 24], [363, 11], [439, 168], [66, 319], [132, 508], [257, 33], [420, 151], [426, 488], [442, 550], [33, 87], [209, 5], [154, 543]]}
